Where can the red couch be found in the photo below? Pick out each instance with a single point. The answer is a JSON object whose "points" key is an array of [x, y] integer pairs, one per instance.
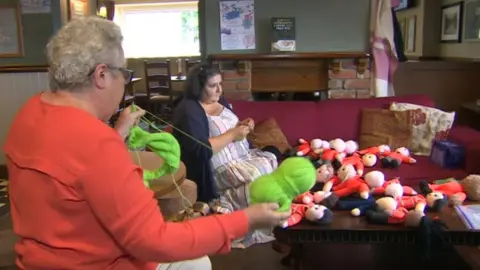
{"points": [[341, 119]]}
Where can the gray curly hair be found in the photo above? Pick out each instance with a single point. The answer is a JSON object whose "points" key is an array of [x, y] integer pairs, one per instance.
{"points": [[78, 47]]}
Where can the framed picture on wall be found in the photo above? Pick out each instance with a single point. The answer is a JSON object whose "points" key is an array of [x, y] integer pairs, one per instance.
{"points": [[411, 32], [77, 8], [11, 42], [472, 21], [451, 30]]}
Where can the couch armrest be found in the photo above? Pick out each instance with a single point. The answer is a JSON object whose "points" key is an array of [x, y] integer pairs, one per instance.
{"points": [[470, 139]]}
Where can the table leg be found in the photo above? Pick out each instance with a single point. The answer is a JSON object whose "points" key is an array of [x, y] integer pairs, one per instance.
{"points": [[297, 256]]}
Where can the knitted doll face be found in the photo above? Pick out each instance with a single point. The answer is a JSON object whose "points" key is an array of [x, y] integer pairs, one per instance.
{"points": [[213, 89]]}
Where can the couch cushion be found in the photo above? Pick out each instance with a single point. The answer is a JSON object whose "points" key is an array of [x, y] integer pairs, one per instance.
{"points": [[341, 118], [382, 126], [268, 133], [428, 124], [328, 119], [297, 119], [424, 169]]}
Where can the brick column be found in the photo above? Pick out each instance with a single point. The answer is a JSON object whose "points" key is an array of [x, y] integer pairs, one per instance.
{"points": [[237, 83], [348, 83]]}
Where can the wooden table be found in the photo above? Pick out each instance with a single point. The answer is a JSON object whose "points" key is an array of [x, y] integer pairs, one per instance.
{"points": [[346, 229], [164, 184], [471, 114]]}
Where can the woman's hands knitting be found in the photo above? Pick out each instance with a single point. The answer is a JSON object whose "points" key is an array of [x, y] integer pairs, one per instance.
{"points": [[240, 132], [248, 122], [265, 215], [127, 119]]}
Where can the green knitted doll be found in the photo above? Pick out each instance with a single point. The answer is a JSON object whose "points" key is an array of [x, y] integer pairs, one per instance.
{"points": [[163, 144], [293, 177]]}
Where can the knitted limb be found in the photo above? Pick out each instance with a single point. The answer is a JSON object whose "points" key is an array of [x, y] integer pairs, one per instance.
{"points": [[298, 213], [162, 144]]}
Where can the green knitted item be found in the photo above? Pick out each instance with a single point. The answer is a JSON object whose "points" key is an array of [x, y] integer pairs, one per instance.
{"points": [[163, 144], [443, 181], [294, 176]]}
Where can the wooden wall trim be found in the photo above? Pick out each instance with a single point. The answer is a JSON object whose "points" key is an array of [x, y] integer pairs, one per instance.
{"points": [[23, 68], [3, 171], [267, 56], [445, 59]]}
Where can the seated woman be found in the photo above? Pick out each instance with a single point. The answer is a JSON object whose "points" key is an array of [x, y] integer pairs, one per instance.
{"points": [[214, 148], [89, 208]]}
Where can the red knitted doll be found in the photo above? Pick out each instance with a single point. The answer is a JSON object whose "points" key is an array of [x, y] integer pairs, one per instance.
{"points": [[406, 190], [304, 198], [298, 213], [303, 148], [344, 173], [354, 160], [387, 211], [394, 159], [376, 150], [351, 185], [337, 146]]}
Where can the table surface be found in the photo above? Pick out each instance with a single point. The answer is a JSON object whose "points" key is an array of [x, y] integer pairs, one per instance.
{"points": [[164, 184], [471, 106], [344, 221]]}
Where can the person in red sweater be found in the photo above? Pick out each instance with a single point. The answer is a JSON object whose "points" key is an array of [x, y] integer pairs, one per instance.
{"points": [[77, 199]]}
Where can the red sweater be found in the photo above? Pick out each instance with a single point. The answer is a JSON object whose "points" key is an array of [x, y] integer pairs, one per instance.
{"points": [[78, 201]]}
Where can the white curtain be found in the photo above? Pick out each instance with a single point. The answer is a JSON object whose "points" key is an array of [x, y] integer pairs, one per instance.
{"points": [[385, 61]]}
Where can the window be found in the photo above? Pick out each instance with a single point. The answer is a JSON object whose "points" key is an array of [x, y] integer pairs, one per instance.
{"points": [[159, 29]]}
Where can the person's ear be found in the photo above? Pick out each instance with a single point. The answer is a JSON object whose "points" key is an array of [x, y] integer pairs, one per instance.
{"points": [[99, 76]]}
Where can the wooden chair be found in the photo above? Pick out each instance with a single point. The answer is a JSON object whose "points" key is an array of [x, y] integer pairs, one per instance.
{"points": [[159, 92], [127, 99], [191, 63]]}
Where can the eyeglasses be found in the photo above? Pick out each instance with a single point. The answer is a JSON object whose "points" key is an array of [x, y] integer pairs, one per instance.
{"points": [[126, 73]]}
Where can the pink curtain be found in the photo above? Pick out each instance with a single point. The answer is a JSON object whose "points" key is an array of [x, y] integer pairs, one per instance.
{"points": [[385, 61]]}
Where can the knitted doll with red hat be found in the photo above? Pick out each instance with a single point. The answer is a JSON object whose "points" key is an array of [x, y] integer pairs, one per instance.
{"points": [[354, 160], [417, 202], [303, 148], [375, 150], [351, 185], [344, 173], [386, 211], [376, 182], [337, 146], [394, 159], [456, 190], [317, 214]]}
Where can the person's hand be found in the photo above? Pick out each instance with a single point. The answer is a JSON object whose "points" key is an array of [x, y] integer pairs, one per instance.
{"points": [[248, 122], [240, 132], [127, 119], [265, 215]]}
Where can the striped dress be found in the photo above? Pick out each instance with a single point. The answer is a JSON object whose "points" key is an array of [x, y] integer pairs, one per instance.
{"points": [[235, 167]]}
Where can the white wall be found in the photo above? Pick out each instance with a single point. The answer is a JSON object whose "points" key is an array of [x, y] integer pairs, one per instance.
{"points": [[15, 89]]}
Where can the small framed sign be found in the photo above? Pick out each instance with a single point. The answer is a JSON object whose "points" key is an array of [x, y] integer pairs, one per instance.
{"points": [[11, 41], [283, 36], [77, 8]]}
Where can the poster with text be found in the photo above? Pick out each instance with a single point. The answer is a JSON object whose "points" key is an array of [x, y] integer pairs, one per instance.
{"points": [[35, 6], [237, 25]]}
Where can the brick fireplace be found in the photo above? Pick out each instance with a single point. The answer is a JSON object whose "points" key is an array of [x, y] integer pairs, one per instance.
{"points": [[341, 75]]}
